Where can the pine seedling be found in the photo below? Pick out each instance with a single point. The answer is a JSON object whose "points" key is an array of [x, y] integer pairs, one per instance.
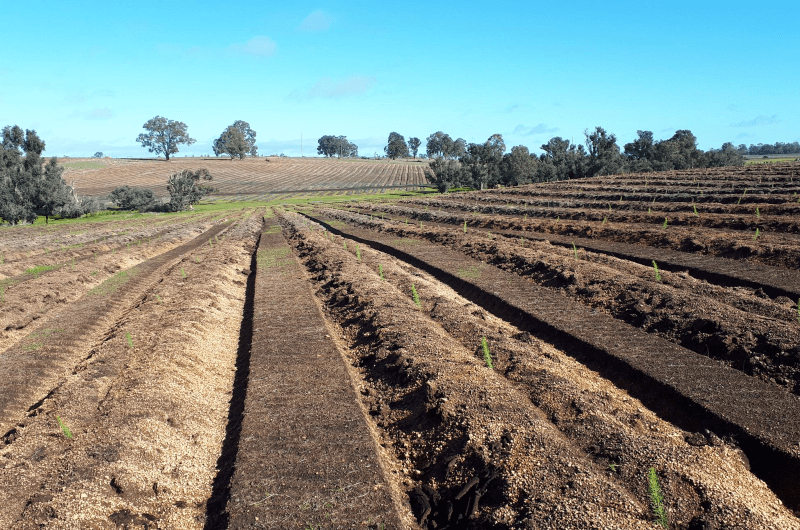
{"points": [[420, 223], [558, 218], [525, 217], [415, 296], [183, 273], [758, 233], [575, 251], [380, 272], [345, 243], [64, 428], [742, 197], [358, 253], [465, 226], [648, 210], [695, 211], [609, 207], [196, 259], [522, 241], [158, 298], [758, 212], [620, 199], [798, 311], [129, 339], [664, 226], [487, 357], [604, 220], [656, 499], [658, 274]]}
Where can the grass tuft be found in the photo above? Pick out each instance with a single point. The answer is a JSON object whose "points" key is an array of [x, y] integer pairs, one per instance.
{"points": [[656, 499], [64, 428], [487, 357]]}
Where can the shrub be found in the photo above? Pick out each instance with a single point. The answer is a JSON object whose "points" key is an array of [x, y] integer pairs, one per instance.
{"points": [[127, 198]]}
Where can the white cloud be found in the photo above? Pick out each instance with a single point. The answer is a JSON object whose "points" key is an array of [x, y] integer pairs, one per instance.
{"points": [[758, 121], [538, 129], [100, 114], [317, 21], [260, 46], [330, 88]]}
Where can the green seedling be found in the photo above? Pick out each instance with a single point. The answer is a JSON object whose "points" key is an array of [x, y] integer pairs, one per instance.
{"points": [[358, 253], [406, 220], [2, 259], [415, 296], [609, 207], [420, 224], [648, 210], [522, 241], [664, 226], [380, 272], [73, 263], [196, 259], [656, 499], [798, 311], [558, 218], [742, 197], [604, 220], [183, 273], [525, 217], [758, 233], [158, 299], [613, 467], [487, 357], [64, 428], [129, 339], [758, 212], [465, 226], [658, 274], [575, 250], [345, 243], [695, 210]]}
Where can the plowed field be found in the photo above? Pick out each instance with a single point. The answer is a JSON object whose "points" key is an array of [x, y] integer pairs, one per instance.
{"points": [[501, 359], [260, 178]]}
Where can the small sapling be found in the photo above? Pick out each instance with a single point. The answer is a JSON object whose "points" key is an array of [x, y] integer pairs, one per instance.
{"points": [[487, 357], [415, 296], [658, 274]]}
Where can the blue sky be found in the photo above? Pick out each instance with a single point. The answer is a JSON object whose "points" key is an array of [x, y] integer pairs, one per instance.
{"points": [[87, 75]]}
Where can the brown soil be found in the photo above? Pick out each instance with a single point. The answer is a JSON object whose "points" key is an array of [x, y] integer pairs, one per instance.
{"points": [[439, 408], [146, 403]]}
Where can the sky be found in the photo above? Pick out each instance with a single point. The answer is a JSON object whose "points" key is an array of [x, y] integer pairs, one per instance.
{"points": [[87, 75]]}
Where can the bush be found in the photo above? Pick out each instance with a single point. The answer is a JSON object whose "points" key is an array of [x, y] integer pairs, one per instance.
{"points": [[185, 189], [127, 198]]}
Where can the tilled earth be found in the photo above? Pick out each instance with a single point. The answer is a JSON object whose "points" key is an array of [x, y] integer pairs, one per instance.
{"points": [[352, 369]]}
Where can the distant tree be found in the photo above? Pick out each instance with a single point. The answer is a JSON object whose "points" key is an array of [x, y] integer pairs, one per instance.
{"points": [[603, 153], [98, 154], [163, 136], [445, 174], [396, 146], [185, 189], [518, 167], [238, 140], [413, 145], [330, 145], [127, 198], [640, 152], [482, 162], [728, 155], [561, 160]]}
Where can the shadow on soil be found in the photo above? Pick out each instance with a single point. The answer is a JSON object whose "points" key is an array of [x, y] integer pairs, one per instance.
{"points": [[216, 515]]}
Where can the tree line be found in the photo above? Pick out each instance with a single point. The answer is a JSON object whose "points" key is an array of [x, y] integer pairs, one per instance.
{"points": [[779, 148], [479, 166], [163, 137]]}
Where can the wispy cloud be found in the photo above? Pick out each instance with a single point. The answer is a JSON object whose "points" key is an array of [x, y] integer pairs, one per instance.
{"points": [[513, 108], [260, 46], [91, 95], [336, 89], [104, 113], [317, 21], [733, 108], [538, 129], [758, 121], [744, 135]]}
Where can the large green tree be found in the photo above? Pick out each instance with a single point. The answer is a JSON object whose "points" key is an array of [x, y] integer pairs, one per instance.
{"points": [[413, 145], [604, 157], [518, 167], [163, 136], [396, 146], [237, 141], [330, 145]]}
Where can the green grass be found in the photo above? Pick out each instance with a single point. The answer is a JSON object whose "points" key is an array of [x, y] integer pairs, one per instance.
{"points": [[415, 296], [658, 274], [112, 284], [39, 269], [770, 160], [64, 428], [83, 165], [469, 272], [656, 499], [274, 257], [487, 357]]}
